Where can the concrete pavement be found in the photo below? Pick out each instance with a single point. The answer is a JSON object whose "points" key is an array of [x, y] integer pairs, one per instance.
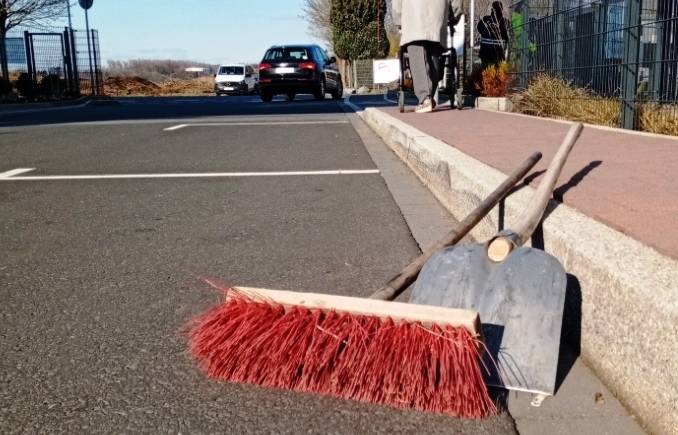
{"points": [[618, 292]]}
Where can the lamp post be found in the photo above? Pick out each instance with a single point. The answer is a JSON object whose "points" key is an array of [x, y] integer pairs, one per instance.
{"points": [[86, 5], [68, 7]]}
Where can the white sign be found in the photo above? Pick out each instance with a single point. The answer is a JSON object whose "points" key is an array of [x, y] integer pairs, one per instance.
{"points": [[386, 70]]}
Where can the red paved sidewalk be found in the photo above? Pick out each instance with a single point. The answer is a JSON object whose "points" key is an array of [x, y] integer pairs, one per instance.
{"points": [[625, 180]]}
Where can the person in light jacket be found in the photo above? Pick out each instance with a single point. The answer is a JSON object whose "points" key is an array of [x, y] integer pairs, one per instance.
{"points": [[423, 25]]}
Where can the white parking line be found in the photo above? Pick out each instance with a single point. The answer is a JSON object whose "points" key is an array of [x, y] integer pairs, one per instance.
{"points": [[10, 177], [14, 172], [235, 124], [176, 127]]}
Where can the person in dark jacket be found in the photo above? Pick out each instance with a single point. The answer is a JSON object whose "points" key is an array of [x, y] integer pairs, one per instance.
{"points": [[493, 30]]}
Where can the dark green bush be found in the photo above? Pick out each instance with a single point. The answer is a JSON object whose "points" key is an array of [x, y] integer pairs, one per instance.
{"points": [[26, 86], [52, 86], [5, 88]]}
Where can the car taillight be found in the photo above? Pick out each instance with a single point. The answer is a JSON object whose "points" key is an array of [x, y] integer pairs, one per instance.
{"points": [[307, 65], [265, 66]]}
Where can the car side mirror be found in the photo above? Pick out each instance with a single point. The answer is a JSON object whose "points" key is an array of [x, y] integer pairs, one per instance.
{"points": [[215, 76], [333, 60]]}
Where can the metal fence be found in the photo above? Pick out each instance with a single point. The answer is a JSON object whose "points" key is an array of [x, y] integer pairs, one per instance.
{"points": [[621, 51], [52, 64], [359, 75]]}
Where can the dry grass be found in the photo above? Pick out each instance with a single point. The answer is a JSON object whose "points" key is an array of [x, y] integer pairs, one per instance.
{"points": [[137, 86], [554, 98], [658, 118], [198, 86]]}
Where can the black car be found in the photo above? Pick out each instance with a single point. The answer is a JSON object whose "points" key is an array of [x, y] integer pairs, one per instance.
{"points": [[298, 69]]}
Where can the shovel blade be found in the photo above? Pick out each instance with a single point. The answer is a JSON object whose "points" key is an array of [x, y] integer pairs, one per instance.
{"points": [[520, 301]]}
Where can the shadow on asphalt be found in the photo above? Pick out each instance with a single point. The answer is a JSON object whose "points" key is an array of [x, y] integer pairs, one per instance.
{"points": [[174, 108]]}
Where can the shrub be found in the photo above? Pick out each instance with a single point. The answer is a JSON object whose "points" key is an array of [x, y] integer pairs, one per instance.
{"points": [[554, 98], [26, 86], [5, 87], [52, 86], [495, 80], [658, 118]]}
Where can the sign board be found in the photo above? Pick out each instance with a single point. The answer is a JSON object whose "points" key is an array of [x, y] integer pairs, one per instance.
{"points": [[85, 4], [16, 51], [386, 71]]}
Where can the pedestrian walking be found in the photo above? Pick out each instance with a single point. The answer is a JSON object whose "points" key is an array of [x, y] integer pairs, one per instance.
{"points": [[423, 25], [493, 30]]}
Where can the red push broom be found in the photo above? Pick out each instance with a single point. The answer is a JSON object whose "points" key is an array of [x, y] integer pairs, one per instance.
{"points": [[371, 350]]}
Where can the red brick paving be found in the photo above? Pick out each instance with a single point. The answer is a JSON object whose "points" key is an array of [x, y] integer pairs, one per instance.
{"points": [[630, 182]]}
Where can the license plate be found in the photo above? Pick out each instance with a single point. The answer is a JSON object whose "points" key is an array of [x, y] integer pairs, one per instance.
{"points": [[228, 88], [284, 70]]}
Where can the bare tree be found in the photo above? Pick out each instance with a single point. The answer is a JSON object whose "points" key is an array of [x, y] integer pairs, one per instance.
{"points": [[15, 13], [317, 14]]}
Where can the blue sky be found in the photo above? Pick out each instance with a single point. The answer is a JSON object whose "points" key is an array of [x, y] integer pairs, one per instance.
{"points": [[212, 31]]}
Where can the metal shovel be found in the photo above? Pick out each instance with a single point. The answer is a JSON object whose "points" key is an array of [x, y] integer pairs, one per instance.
{"points": [[518, 291]]}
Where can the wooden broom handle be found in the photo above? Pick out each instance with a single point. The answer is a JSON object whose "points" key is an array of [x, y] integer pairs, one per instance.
{"points": [[410, 273]]}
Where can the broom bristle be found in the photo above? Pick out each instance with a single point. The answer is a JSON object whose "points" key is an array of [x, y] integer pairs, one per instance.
{"points": [[403, 365]]}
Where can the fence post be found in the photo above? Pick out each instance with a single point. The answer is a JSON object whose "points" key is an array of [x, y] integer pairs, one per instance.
{"points": [[559, 46], [29, 55], [95, 88], [66, 48], [524, 41], [74, 59], [663, 16], [630, 62]]}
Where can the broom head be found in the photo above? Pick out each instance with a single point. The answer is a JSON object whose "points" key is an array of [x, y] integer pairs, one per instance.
{"points": [[402, 355]]}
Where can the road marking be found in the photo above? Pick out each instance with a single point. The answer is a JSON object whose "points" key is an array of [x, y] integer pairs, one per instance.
{"points": [[240, 124], [388, 99], [176, 127], [347, 101], [14, 172], [188, 175]]}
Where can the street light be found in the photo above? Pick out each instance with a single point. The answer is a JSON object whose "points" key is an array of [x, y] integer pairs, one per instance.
{"points": [[86, 4], [68, 7]]}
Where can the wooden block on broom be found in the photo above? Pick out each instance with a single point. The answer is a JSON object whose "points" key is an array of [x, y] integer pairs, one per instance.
{"points": [[371, 350]]}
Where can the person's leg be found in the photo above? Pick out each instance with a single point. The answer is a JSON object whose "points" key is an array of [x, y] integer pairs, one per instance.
{"points": [[434, 53], [419, 69]]}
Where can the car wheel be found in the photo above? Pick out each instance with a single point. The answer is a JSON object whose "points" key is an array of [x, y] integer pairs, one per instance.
{"points": [[266, 97], [290, 96], [320, 93], [339, 92]]}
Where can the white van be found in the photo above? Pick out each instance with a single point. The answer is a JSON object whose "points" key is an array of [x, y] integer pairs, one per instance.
{"points": [[236, 78]]}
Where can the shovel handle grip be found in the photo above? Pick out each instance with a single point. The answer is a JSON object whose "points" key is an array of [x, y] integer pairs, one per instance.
{"points": [[409, 274], [503, 244]]}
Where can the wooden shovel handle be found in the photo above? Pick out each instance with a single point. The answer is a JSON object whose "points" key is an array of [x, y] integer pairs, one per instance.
{"points": [[409, 274]]}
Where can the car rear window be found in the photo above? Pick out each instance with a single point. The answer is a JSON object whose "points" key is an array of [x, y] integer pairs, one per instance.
{"points": [[287, 54], [232, 70]]}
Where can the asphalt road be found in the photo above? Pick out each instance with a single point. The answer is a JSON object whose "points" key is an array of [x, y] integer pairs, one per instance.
{"points": [[99, 278]]}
